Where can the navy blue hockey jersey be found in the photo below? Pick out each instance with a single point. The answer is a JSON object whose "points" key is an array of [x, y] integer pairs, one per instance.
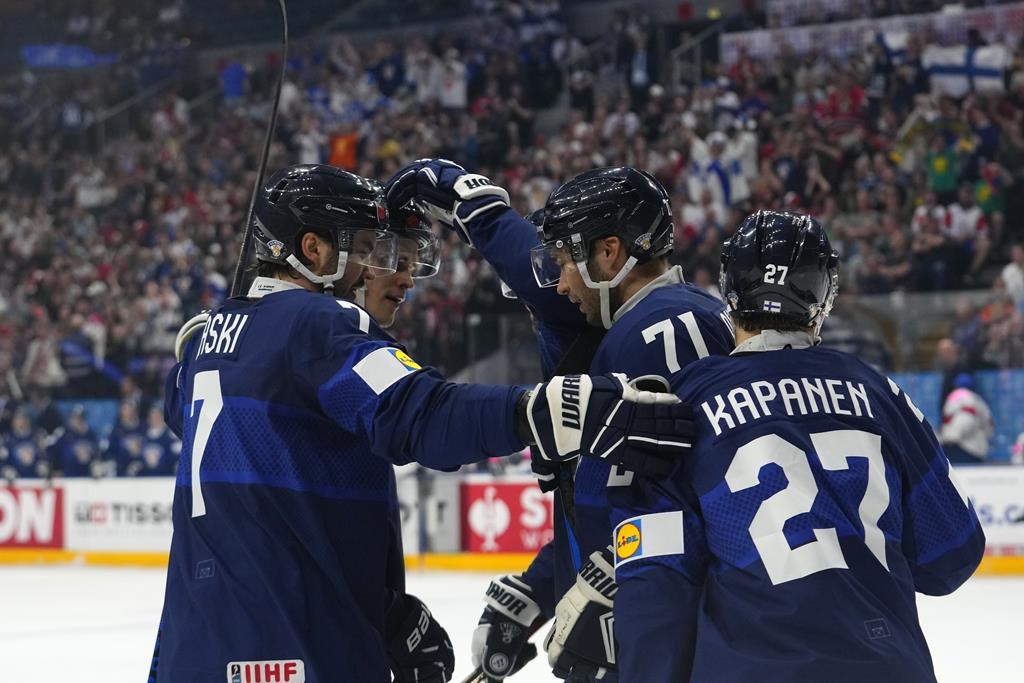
{"points": [[22, 456], [286, 550], [662, 329], [817, 500]]}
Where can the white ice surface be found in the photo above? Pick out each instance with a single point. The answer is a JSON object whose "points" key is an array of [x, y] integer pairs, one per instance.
{"points": [[96, 625]]}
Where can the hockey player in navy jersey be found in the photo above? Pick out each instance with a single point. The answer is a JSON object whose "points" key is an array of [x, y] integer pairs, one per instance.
{"points": [[597, 282], [419, 257], [292, 405], [816, 500]]}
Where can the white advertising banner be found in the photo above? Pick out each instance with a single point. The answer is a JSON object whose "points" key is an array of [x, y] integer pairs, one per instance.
{"points": [[998, 497], [118, 514], [1003, 24]]}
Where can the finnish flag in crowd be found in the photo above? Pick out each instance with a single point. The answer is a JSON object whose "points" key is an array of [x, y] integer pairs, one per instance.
{"points": [[894, 43], [959, 70]]}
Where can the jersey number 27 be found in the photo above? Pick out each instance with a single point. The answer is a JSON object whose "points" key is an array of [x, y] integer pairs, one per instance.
{"points": [[834, 449]]}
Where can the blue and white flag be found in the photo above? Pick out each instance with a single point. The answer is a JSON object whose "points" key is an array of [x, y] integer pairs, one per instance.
{"points": [[960, 70], [893, 42]]}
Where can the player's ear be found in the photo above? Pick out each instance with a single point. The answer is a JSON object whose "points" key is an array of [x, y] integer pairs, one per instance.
{"points": [[611, 253], [308, 248]]}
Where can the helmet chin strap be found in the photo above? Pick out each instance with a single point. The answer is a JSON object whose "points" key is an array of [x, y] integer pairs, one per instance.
{"points": [[604, 288], [325, 281], [360, 295]]}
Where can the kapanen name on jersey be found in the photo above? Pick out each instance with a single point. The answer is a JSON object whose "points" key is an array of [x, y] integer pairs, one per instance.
{"points": [[793, 397]]}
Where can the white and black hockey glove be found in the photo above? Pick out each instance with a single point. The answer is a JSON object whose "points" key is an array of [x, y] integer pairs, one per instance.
{"points": [[581, 644], [501, 644], [606, 417], [195, 324], [419, 650], [447, 192]]}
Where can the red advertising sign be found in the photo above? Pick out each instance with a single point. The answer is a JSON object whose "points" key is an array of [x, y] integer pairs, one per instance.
{"points": [[503, 516], [31, 517]]}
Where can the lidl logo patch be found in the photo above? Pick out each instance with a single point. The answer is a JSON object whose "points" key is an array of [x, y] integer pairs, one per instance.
{"points": [[403, 358], [627, 540]]}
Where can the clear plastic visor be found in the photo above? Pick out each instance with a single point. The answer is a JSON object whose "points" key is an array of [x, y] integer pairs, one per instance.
{"points": [[548, 260], [376, 250], [419, 253]]}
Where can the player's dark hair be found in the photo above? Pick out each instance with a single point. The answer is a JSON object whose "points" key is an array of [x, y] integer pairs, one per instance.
{"points": [[755, 322]]}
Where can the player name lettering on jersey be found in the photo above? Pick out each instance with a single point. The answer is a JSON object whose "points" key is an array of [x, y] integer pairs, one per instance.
{"points": [[787, 396], [273, 671], [221, 334]]}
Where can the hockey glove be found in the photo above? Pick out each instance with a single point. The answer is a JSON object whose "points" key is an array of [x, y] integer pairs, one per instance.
{"points": [[582, 639], [194, 325], [447, 192], [419, 650], [609, 418], [501, 644]]}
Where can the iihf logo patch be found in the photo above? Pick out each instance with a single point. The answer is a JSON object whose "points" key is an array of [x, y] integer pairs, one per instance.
{"points": [[773, 306], [276, 247]]}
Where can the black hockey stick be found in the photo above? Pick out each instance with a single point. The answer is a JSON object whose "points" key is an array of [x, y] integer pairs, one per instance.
{"points": [[238, 282], [529, 652]]}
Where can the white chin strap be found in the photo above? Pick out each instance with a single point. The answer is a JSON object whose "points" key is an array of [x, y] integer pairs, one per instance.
{"points": [[326, 281], [360, 296], [604, 288]]}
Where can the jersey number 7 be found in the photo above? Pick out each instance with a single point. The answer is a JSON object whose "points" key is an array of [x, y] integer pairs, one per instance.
{"points": [[207, 394]]}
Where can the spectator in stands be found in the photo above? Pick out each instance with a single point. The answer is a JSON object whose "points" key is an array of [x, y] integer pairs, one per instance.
{"points": [[160, 449], [950, 362], [968, 333], [234, 81], [22, 453], [967, 426], [1013, 275], [930, 248], [76, 453], [719, 174], [968, 229], [942, 170], [124, 445]]}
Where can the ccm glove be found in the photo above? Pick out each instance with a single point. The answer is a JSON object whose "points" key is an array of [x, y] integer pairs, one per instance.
{"points": [[582, 641], [447, 192], [419, 650], [608, 418], [501, 644]]}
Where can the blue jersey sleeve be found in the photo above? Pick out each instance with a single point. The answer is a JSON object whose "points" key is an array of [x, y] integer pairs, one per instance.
{"points": [[505, 239], [368, 385], [942, 537]]}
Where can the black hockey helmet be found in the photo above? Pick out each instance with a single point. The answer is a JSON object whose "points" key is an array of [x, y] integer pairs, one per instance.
{"points": [[341, 206], [621, 202], [780, 264], [411, 225]]}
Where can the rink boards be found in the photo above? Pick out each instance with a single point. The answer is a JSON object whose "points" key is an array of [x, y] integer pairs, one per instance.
{"points": [[468, 522]]}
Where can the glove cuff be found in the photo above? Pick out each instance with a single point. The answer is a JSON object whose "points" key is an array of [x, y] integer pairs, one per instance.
{"points": [[597, 578], [513, 597]]}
